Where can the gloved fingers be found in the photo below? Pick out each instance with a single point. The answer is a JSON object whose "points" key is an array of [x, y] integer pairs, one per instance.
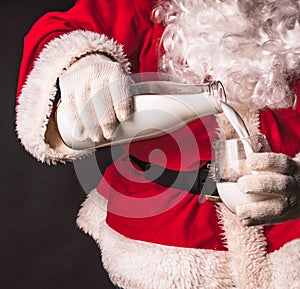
{"points": [[71, 123], [95, 93], [272, 162], [69, 108], [277, 184], [119, 88], [264, 212], [101, 101], [68, 99], [90, 126]]}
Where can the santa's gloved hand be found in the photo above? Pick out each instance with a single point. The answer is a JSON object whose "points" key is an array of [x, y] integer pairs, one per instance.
{"points": [[275, 174], [94, 99]]}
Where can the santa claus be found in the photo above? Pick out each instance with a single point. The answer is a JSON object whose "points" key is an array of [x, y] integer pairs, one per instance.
{"points": [[253, 48]]}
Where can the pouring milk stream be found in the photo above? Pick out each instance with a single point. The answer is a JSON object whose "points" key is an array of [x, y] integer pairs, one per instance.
{"points": [[161, 107]]}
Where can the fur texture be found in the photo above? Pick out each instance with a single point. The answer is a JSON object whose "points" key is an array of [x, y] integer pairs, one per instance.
{"points": [[246, 264], [38, 93], [92, 214]]}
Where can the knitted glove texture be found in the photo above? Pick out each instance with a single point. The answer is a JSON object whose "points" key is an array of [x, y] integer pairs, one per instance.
{"points": [[275, 174], [94, 98]]}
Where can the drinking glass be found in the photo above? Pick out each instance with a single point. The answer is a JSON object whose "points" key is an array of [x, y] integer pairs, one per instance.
{"points": [[230, 163]]}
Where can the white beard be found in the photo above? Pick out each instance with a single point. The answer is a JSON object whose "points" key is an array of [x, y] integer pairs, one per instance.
{"points": [[252, 47]]}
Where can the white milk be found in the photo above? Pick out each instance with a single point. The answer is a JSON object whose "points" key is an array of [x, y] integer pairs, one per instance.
{"points": [[154, 115], [238, 124], [229, 192], [231, 195]]}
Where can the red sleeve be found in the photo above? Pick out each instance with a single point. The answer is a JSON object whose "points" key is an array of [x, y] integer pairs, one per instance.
{"points": [[282, 126], [121, 29], [123, 20]]}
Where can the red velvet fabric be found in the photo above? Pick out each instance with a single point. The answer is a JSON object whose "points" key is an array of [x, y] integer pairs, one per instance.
{"points": [[126, 21], [186, 223]]}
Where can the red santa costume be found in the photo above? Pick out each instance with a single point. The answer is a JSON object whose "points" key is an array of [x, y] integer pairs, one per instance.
{"points": [[189, 244]]}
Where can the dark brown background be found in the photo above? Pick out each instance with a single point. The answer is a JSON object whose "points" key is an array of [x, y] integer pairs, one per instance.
{"points": [[40, 245]]}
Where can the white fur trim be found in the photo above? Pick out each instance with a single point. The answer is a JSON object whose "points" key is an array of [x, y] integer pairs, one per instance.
{"points": [[297, 156], [252, 267], [247, 249], [38, 92], [134, 264], [285, 265], [92, 214]]}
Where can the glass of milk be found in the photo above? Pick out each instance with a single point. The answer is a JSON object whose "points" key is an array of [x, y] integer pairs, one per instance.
{"points": [[230, 164]]}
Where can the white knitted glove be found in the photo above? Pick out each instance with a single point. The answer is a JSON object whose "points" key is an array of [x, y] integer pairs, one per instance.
{"points": [[276, 174], [94, 99]]}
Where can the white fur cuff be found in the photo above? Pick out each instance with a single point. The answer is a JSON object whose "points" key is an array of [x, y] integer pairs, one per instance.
{"points": [[39, 90]]}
